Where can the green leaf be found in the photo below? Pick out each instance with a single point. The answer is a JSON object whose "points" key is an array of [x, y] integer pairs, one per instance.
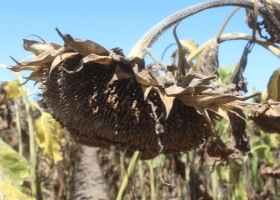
{"points": [[269, 156], [225, 74], [272, 140], [14, 169]]}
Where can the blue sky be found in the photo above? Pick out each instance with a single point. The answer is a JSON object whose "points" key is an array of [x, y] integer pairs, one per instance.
{"points": [[121, 24]]}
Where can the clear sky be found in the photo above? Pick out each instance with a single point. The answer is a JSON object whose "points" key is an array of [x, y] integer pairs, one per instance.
{"points": [[121, 24]]}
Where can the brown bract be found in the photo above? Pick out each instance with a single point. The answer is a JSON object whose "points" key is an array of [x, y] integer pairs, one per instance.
{"points": [[105, 98]]}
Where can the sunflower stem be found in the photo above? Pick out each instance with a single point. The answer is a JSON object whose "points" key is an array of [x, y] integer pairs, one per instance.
{"points": [[18, 125], [32, 151], [129, 173]]}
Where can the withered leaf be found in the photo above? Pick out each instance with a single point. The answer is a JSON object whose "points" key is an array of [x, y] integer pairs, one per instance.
{"points": [[144, 78], [161, 79], [36, 75], [19, 68], [167, 100], [237, 76], [37, 47], [267, 116], [60, 58], [85, 47], [121, 72], [219, 111], [146, 90], [238, 125], [186, 80], [216, 150], [208, 62], [103, 60], [41, 60]]}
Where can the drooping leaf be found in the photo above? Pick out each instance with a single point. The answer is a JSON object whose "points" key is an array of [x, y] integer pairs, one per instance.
{"points": [[41, 60], [216, 150], [59, 60], [238, 124], [167, 100], [237, 76], [49, 136]]}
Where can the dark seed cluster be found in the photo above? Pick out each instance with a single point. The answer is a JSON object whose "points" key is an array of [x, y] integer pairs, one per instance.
{"points": [[99, 113]]}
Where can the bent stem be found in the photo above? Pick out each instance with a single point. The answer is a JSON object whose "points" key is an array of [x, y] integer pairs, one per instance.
{"points": [[129, 173], [236, 36]]}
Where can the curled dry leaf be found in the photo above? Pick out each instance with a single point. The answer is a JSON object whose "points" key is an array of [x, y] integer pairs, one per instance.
{"points": [[84, 47], [105, 98], [238, 124], [273, 7], [267, 116], [216, 151], [37, 47]]}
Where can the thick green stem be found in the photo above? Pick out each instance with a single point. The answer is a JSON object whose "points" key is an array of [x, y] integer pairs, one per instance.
{"points": [[129, 173]]}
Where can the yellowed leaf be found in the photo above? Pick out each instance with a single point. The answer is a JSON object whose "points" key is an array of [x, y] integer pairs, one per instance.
{"points": [[12, 90], [190, 47], [273, 87], [49, 136], [8, 191]]}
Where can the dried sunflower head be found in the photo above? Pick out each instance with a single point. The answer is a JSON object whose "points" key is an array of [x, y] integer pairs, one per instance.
{"points": [[105, 98]]}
